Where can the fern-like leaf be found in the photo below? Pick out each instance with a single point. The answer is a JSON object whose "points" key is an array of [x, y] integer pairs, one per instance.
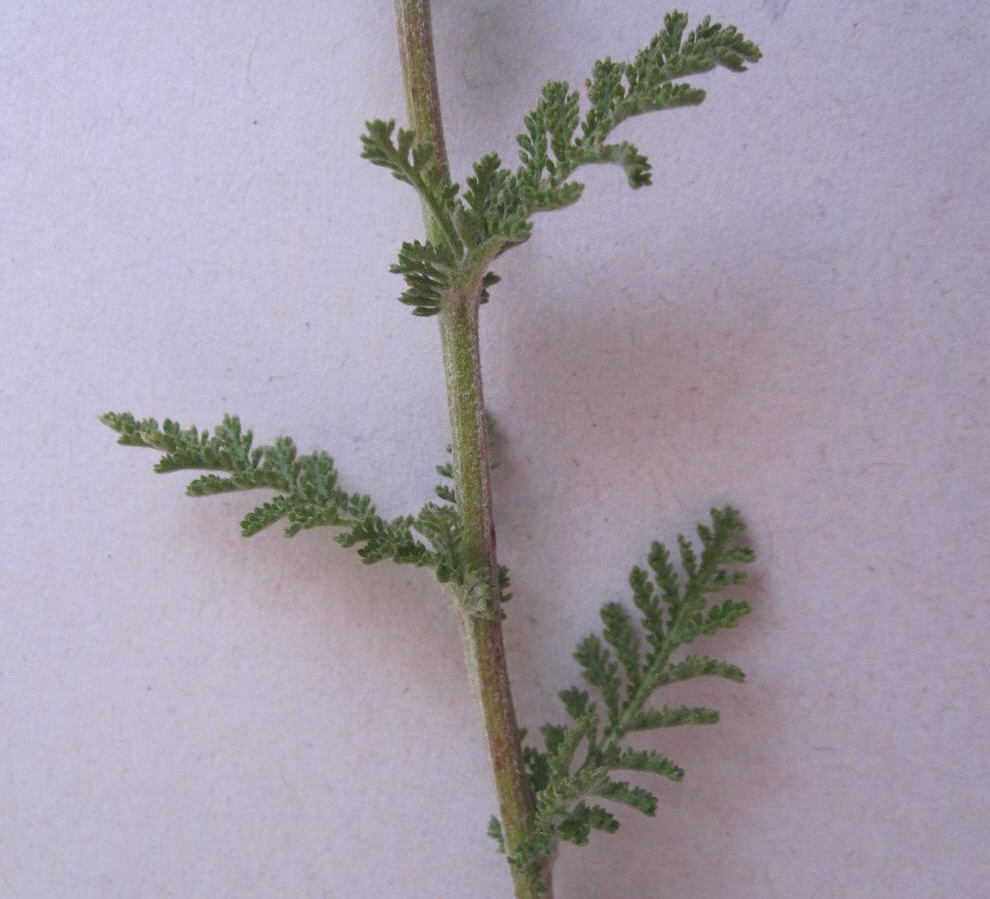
{"points": [[647, 760], [306, 491], [649, 719], [600, 671], [496, 210], [620, 633], [635, 797], [495, 832], [675, 610], [428, 272]]}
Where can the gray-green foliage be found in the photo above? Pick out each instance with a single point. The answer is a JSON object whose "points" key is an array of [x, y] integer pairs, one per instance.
{"points": [[577, 768], [307, 496], [625, 666], [496, 209]]}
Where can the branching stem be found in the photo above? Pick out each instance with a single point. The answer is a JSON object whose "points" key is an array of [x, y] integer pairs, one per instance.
{"points": [[484, 646]]}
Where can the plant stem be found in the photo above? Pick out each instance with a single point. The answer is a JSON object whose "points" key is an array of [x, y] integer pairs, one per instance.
{"points": [[483, 643]]}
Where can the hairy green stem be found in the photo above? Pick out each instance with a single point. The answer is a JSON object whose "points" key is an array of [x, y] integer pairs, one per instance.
{"points": [[483, 643]]}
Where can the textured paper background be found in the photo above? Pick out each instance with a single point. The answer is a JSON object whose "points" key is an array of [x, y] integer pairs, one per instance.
{"points": [[792, 319]]}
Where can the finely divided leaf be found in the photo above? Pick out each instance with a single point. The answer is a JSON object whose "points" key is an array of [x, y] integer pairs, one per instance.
{"points": [[647, 760], [576, 825], [495, 832], [307, 493], [701, 666], [496, 210], [621, 635], [576, 702], [675, 610], [635, 797], [599, 670], [648, 719]]}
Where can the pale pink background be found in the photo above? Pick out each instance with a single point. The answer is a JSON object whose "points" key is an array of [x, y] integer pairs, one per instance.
{"points": [[792, 319]]}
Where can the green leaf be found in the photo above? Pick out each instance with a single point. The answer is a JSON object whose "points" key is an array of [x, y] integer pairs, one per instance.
{"points": [[664, 572], [407, 160], [383, 539], [675, 610], [701, 666], [427, 272], [498, 205], [621, 90], [600, 671], [634, 163], [576, 826], [549, 136], [264, 516], [495, 832], [566, 742], [648, 719], [553, 737], [537, 769], [645, 599], [647, 760], [446, 493], [635, 797], [564, 790], [307, 493], [621, 635], [440, 525], [725, 615], [689, 559], [576, 702], [503, 584]]}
